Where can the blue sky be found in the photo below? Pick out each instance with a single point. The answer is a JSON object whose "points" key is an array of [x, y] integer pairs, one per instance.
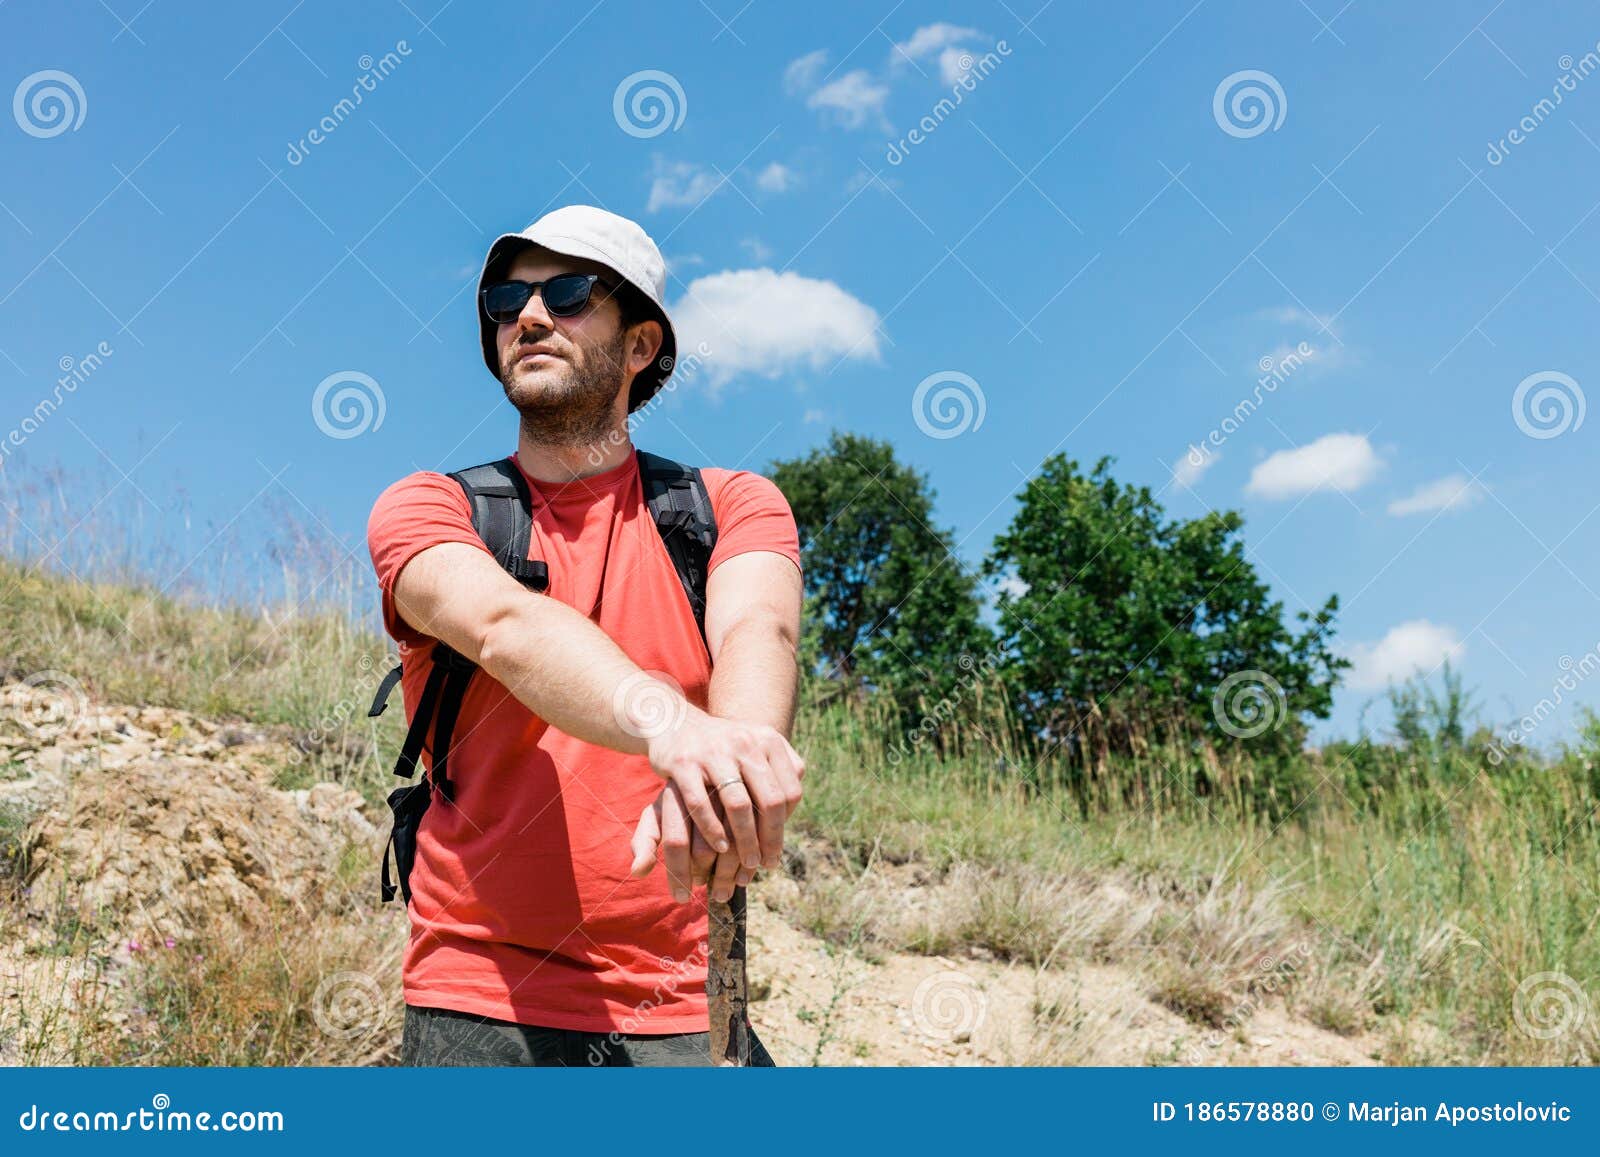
{"points": [[1095, 246]]}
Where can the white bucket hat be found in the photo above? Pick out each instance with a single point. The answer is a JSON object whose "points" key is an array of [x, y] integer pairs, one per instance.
{"points": [[617, 243]]}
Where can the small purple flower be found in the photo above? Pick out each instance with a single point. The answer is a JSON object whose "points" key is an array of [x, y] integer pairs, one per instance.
{"points": [[134, 946], [170, 942]]}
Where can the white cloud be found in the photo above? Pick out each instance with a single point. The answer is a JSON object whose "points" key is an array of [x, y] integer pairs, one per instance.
{"points": [[863, 177], [802, 73], [680, 183], [678, 260], [1012, 585], [1452, 492], [1313, 331], [812, 417], [932, 38], [1334, 461], [852, 99], [761, 322], [758, 249], [1294, 315], [775, 178], [1412, 647], [1196, 461], [954, 63]]}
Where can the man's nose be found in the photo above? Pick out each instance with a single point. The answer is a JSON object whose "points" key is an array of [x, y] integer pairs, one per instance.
{"points": [[534, 315]]}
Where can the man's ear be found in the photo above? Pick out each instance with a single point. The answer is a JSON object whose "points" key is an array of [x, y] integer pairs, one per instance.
{"points": [[643, 345]]}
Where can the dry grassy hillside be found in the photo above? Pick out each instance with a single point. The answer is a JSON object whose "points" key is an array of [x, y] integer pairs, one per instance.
{"points": [[191, 822]]}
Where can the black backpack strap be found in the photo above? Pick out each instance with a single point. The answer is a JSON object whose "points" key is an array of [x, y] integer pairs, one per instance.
{"points": [[681, 507], [380, 699], [411, 750], [502, 514]]}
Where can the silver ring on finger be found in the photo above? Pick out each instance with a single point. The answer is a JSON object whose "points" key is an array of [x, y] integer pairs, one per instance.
{"points": [[729, 782]]}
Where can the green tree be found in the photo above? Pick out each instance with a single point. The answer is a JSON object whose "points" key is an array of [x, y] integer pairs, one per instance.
{"points": [[889, 606], [1123, 627]]}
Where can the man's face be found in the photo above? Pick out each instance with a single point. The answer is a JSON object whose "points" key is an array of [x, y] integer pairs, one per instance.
{"points": [[566, 374]]}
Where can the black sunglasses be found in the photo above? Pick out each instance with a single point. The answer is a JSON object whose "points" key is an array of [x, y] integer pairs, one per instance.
{"points": [[564, 296]]}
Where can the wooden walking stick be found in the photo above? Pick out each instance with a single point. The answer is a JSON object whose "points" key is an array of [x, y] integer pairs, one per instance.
{"points": [[727, 997]]}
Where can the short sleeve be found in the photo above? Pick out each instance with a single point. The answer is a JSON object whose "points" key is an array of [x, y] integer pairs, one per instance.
{"points": [[752, 514], [419, 511]]}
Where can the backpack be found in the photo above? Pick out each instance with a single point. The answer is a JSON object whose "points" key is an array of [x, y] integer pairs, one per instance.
{"points": [[502, 515]]}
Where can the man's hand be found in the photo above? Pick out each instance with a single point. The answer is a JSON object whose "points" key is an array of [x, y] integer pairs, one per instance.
{"points": [[748, 770], [689, 864], [688, 842]]}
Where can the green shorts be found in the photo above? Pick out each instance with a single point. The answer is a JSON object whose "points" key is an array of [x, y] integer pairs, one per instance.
{"points": [[438, 1036]]}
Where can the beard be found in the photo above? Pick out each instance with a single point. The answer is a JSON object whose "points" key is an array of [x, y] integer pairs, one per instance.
{"points": [[567, 403]]}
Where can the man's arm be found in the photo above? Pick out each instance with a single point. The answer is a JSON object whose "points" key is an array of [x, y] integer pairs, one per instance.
{"points": [[752, 631], [567, 671], [753, 634]]}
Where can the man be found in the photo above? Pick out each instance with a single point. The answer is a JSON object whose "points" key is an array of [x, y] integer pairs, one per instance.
{"points": [[540, 932]]}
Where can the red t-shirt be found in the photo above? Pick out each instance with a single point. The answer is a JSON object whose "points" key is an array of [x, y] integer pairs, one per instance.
{"points": [[522, 907]]}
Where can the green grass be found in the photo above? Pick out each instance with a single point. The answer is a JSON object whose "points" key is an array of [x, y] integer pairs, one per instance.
{"points": [[1425, 883]]}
